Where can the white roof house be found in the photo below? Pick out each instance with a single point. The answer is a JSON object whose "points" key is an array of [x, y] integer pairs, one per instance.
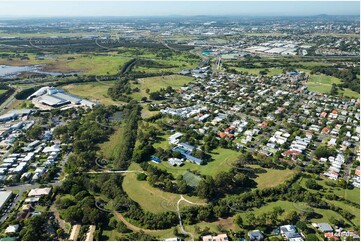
{"points": [[36, 192], [12, 229]]}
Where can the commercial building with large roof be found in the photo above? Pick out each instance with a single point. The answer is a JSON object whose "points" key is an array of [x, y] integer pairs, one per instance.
{"points": [[4, 197], [53, 97]]}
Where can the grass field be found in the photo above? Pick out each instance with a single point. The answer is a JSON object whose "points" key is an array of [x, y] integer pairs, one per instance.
{"points": [[323, 84], [110, 147], [99, 65], [351, 195], [288, 207], [158, 82], [177, 65], [272, 177], [2, 91], [352, 210], [349, 93], [150, 198], [86, 64], [222, 159], [94, 91], [255, 71]]}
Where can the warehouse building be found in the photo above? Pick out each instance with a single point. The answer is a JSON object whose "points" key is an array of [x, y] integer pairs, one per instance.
{"points": [[54, 98], [4, 198]]}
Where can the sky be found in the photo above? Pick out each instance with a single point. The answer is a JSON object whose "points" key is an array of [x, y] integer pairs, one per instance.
{"points": [[164, 8]]}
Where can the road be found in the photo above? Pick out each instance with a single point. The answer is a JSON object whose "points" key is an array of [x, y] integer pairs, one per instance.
{"points": [[7, 103]]}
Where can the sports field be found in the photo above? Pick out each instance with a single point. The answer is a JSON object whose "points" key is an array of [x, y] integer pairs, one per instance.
{"points": [[323, 84]]}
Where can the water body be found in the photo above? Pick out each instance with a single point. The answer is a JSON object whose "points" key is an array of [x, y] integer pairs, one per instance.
{"points": [[13, 71], [206, 52]]}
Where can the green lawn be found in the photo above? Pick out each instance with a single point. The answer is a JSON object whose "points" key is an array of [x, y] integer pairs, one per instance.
{"points": [[255, 71], [94, 91], [323, 84], [174, 66], [349, 208], [222, 159], [272, 177], [2, 91], [351, 195], [349, 93], [109, 148], [288, 207], [150, 198], [86, 64], [323, 79], [158, 82], [98, 65]]}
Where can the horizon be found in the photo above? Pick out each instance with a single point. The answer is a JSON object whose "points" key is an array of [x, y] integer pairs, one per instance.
{"points": [[51, 9]]}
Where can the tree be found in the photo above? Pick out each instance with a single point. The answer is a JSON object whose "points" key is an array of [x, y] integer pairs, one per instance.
{"points": [[206, 188], [34, 228], [238, 220], [301, 225], [312, 184], [311, 237], [324, 151], [35, 132], [333, 89], [60, 232], [73, 214], [292, 217]]}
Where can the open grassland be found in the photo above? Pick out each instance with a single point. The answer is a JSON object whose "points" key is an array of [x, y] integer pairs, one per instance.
{"points": [[323, 79], [256, 71], [272, 177], [265, 34], [349, 208], [150, 198], [99, 65], [94, 91], [2, 91], [145, 111], [215, 227], [86, 64], [323, 84], [157, 55], [350, 195], [173, 66], [288, 207], [349, 93], [158, 82], [109, 148], [221, 161], [42, 34]]}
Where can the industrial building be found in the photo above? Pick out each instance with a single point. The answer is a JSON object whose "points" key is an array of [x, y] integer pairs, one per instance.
{"points": [[54, 98], [4, 198]]}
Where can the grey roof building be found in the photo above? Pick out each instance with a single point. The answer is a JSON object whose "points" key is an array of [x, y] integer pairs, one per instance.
{"points": [[325, 227], [255, 235]]}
